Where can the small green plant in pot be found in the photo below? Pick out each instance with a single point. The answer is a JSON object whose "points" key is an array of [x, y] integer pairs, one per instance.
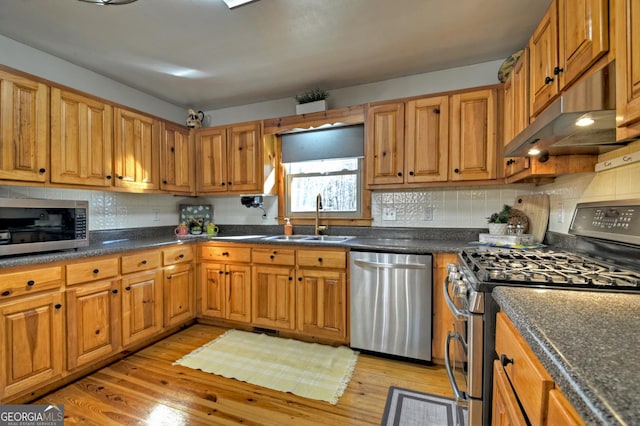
{"points": [[312, 101], [498, 221]]}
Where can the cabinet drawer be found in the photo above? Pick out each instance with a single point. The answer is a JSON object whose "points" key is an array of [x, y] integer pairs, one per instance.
{"points": [[227, 254], [322, 258], [179, 254], [32, 281], [141, 261], [530, 380], [92, 270], [274, 256]]}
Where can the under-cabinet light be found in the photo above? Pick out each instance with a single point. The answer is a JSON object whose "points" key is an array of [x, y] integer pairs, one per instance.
{"points": [[235, 3]]}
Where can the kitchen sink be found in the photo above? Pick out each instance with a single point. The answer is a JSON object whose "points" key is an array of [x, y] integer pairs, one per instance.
{"points": [[310, 238]]}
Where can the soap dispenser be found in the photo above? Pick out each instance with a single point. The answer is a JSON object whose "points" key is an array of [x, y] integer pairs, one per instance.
{"points": [[288, 227]]}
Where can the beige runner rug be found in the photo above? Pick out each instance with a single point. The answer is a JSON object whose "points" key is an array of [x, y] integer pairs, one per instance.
{"points": [[310, 370]]}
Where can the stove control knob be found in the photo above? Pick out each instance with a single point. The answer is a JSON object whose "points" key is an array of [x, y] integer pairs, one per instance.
{"points": [[459, 288]]}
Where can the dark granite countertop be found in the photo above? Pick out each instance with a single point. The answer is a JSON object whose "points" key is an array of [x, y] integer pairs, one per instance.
{"points": [[589, 342], [122, 241]]}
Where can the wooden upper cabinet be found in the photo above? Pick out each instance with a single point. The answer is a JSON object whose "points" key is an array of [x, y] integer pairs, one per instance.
{"points": [[583, 36], [543, 51], [211, 154], [427, 140], [244, 171], [627, 68], [472, 154], [136, 150], [516, 111], [176, 159], [230, 159], [24, 129], [385, 144], [572, 36], [81, 140]]}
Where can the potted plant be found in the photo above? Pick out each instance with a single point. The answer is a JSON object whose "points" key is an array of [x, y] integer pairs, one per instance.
{"points": [[312, 101], [498, 221]]}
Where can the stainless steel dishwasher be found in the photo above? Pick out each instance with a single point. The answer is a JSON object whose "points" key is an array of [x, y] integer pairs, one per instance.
{"points": [[391, 303]]}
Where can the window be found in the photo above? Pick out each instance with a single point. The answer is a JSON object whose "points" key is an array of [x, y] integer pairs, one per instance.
{"points": [[326, 162], [338, 181]]}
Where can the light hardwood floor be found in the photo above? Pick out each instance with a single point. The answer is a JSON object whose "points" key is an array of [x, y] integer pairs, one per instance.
{"points": [[145, 388]]}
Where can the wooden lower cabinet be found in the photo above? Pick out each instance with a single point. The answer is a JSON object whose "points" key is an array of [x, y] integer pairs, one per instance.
{"points": [[179, 299], [141, 306], [226, 291], [274, 297], [93, 322], [505, 410], [321, 299], [561, 412], [32, 332]]}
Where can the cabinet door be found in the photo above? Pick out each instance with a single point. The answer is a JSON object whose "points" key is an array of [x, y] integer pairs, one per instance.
{"points": [[627, 68], [176, 159], [520, 77], [543, 51], [136, 150], [212, 290], [505, 410], [273, 296], [245, 158], [32, 333], [583, 36], [24, 129], [321, 303], [385, 144], [238, 293], [93, 322], [81, 140], [427, 140], [179, 302], [211, 155], [141, 306], [473, 135]]}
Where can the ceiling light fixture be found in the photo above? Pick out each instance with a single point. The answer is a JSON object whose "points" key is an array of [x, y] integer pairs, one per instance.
{"points": [[108, 2], [235, 3]]}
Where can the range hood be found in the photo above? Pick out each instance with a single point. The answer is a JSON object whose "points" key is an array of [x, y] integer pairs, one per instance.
{"points": [[554, 131]]}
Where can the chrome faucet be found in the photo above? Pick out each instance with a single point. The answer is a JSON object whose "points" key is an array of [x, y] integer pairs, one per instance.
{"points": [[319, 229]]}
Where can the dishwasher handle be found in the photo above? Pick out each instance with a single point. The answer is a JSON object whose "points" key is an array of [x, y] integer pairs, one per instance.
{"points": [[366, 264]]}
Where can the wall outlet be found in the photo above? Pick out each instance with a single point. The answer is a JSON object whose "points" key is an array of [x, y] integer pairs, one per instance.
{"points": [[156, 215], [428, 214], [121, 211], [389, 213]]}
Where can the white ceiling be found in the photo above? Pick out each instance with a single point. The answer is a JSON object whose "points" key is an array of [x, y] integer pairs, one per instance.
{"points": [[198, 53]]}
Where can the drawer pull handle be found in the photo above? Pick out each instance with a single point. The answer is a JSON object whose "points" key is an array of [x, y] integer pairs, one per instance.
{"points": [[57, 306], [225, 253], [144, 262], [504, 361], [272, 257], [6, 293], [30, 283], [181, 256], [320, 259], [95, 271]]}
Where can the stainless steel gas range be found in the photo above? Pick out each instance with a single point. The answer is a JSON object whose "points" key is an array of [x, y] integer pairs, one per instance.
{"points": [[606, 258]]}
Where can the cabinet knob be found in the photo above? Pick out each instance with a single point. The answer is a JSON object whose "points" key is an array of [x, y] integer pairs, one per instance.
{"points": [[399, 173], [165, 182], [557, 70], [456, 170], [300, 279], [96, 271], [223, 184], [57, 306], [120, 177], [229, 183], [169, 277], [221, 272], [226, 273], [505, 361], [30, 283], [173, 149], [290, 278], [114, 291], [225, 253], [181, 256], [272, 257], [42, 170], [108, 177], [436, 110], [6, 293], [144, 262], [128, 288], [548, 80], [320, 259], [411, 173]]}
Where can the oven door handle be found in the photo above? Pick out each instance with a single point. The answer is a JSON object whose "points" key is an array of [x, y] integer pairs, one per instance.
{"points": [[457, 313], [460, 396]]}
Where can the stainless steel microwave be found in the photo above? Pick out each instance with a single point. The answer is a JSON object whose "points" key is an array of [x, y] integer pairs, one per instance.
{"points": [[31, 225]]}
